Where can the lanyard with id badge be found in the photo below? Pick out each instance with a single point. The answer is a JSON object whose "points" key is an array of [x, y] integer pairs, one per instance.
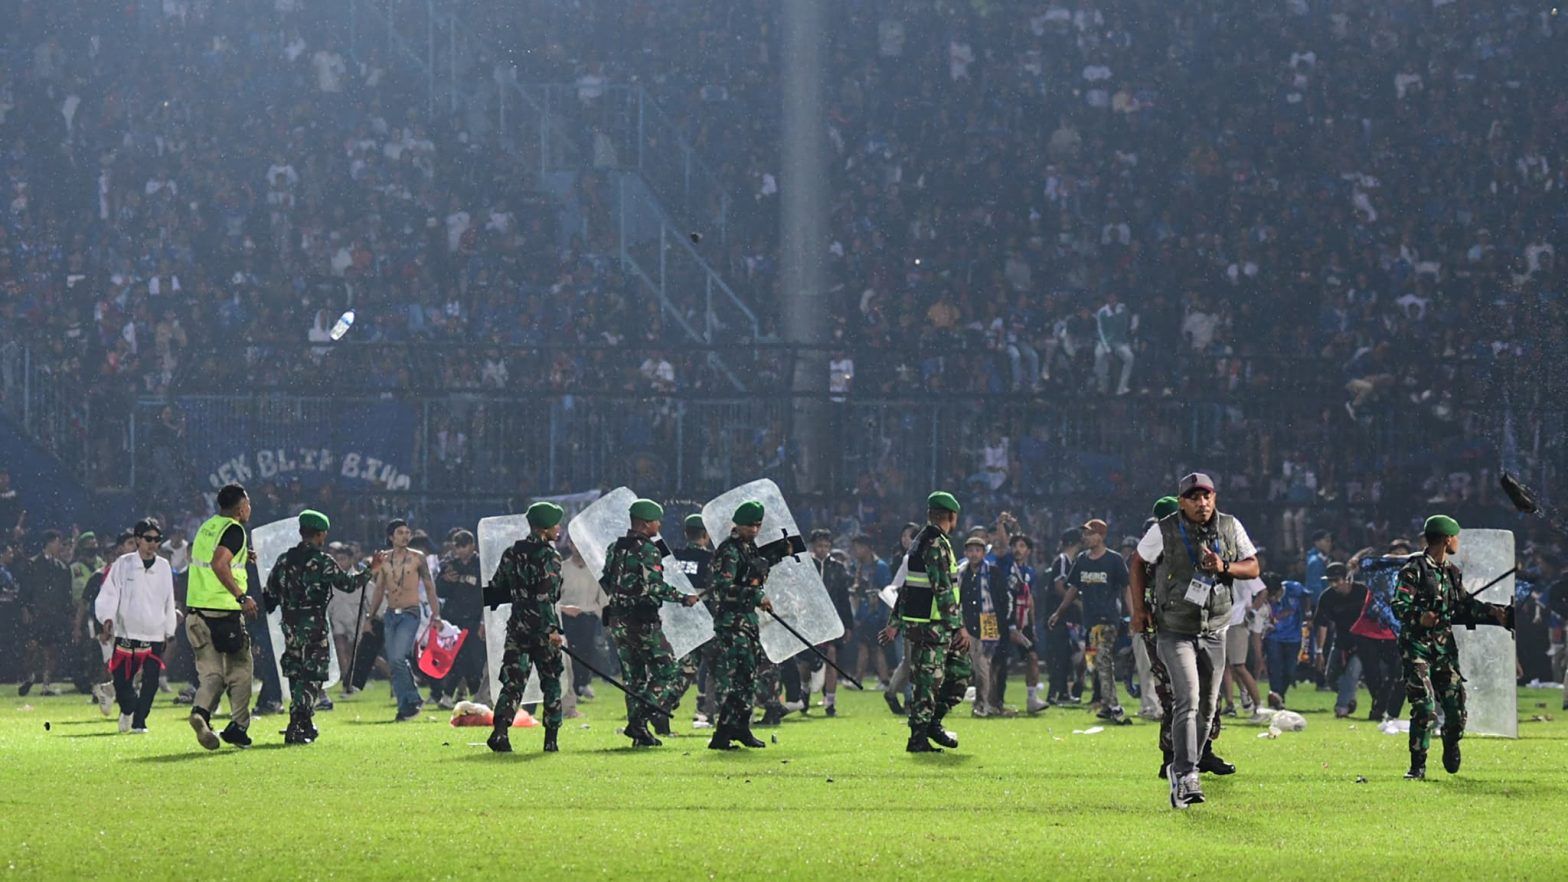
{"points": [[1202, 584]]}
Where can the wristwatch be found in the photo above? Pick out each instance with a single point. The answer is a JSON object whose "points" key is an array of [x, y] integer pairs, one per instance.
{"points": [[1226, 568]]}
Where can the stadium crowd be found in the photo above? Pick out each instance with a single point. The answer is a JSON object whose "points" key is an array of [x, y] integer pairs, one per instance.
{"points": [[1037, 209]]}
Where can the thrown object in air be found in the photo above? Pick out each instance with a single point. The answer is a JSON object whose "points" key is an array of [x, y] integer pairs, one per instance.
{"points": [[345, 321]]}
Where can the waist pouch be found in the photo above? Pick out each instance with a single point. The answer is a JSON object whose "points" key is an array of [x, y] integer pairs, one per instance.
{"points": [[228, 632]]}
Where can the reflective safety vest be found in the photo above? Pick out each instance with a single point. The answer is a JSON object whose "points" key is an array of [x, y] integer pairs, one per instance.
{"points": [[203, 590], [919, 601]]}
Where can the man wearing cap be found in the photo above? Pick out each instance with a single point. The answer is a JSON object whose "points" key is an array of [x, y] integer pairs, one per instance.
{"points": [[1099, 576], [1198, 552], [738, 575], [634, 580], [530, 573], [985, 600], [1428, 599], [931, 618], [1164, 507], [302, 582]]}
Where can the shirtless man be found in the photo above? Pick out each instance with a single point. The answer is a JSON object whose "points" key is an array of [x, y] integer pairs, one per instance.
{"points": [[398, 581]]}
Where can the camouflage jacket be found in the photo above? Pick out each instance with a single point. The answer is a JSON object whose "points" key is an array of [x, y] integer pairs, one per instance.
{"points": [[303, 579], [530, 572], [735, 580], [1427, 586], [931, 563], [634, 579]]}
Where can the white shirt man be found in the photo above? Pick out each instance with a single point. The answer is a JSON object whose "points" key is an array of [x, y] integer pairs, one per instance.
{"points": [[136, 607]]}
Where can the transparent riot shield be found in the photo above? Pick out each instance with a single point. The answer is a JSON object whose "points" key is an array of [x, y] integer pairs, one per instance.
{"points": [[1487, 655], [596, 528], [794, 585]]}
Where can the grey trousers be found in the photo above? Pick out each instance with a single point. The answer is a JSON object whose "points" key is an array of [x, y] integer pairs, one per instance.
{"points": [[1196, 665]]}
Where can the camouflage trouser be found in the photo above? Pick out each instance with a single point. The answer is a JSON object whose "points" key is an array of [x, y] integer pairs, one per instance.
{"points": [[938, 677], [769, 683], [1162, 692], [522, 651], [1426, 684], [307, 652], [648, 666], [305, 660], [735, 676], [1103, 639], [303, 695]]}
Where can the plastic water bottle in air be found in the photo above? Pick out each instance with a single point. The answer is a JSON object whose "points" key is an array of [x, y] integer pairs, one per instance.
{"points": [[345, 321]]}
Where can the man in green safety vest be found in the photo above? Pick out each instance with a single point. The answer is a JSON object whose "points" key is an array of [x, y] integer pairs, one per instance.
{"points": [[928, 612], [215, 601]]}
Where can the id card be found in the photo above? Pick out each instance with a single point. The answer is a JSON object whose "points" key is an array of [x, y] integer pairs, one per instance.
{"points": [[988, 627], [1198, 590]]}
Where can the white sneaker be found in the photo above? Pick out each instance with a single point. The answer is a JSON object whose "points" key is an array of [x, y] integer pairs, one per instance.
{"points": [[1036, 705], [105, 695], [139, 731], [969, 694], [793, 706], [125, 723], [701, 724], [446, 703]]}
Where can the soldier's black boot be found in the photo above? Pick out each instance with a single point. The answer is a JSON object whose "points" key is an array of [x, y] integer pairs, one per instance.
{"points": [[550, 745], [1451, 753], [772, 715], [941, 736], [721, 739], [661, 724], [919, 744], [499, 741], [1417, 766], [742, 733], [1213, 764], [638, 732]]}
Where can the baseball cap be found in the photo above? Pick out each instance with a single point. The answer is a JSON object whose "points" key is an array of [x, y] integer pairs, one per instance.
{"points": [[1195, 481], [974, 540], [1095, 525]]}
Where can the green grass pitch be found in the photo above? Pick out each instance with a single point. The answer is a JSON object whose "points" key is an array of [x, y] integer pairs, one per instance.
{"points": [[835, 799]]}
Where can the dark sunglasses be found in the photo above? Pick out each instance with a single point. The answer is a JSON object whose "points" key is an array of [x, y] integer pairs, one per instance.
{"points": [[150, 538]]}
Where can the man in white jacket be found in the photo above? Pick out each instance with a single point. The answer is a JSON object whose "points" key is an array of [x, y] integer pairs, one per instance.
{"points": [[136, 607]]}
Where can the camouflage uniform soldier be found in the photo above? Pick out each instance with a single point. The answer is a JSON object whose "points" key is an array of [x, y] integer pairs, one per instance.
{"points": [[1429, 601], [737, 576], [928, 612], [634, 580], [530, 574], [302, 582]]}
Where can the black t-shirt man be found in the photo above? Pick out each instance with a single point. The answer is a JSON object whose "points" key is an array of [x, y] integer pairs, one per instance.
{"points": [[1101, 582], [462, 601]]}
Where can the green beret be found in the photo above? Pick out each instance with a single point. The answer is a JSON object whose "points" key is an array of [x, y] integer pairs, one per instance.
{"points": [[1441, 525], [942, 500], [544, 515], [647, 510], [1165, 506], [749, 514], [314, 521], [694, 522]]}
